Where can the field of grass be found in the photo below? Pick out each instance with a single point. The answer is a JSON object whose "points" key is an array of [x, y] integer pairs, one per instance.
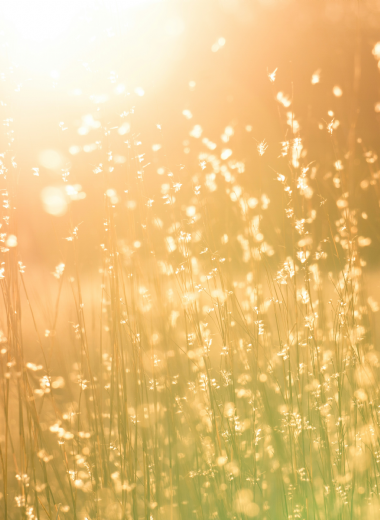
{"points": [[206, 347]]}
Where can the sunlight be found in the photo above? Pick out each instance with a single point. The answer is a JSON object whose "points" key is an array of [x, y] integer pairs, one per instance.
{"points": [[43, 37], [189, 260], [42, 20], [46, 20]]}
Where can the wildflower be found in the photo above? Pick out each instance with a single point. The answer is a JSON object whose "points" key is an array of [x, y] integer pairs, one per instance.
{"points": [[316, 77], [262, 147], [364, 241], [376, 51], [196, 132], [272, 76], [283, 99], [226, 153]]}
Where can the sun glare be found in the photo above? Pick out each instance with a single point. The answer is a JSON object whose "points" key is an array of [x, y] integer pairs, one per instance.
{"points": [[42, 20], [44, 35]]}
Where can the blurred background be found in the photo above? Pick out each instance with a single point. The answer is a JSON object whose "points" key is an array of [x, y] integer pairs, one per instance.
{"points": [[84, 82], [180, 127]]}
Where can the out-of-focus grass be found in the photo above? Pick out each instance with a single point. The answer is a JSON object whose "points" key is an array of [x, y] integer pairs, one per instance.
{"points": [[222, 364]]}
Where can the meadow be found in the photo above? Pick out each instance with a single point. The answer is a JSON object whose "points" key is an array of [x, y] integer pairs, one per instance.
{"points": [[206, 344]]}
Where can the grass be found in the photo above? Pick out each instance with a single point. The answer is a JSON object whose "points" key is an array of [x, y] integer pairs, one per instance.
{"points": [[227, 366]]}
